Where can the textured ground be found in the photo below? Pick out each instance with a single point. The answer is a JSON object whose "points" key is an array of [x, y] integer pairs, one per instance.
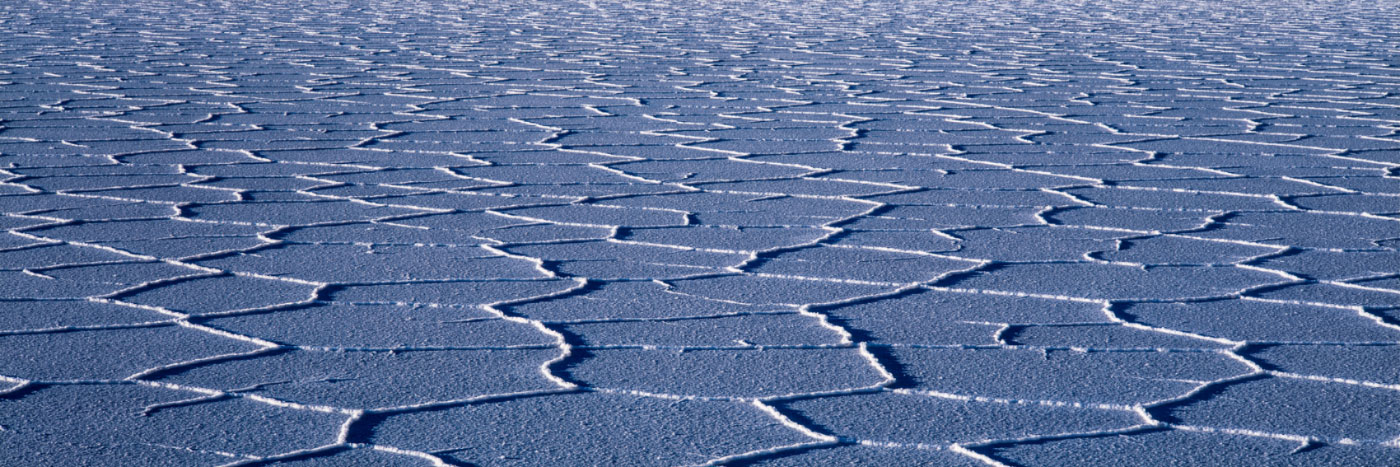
{"points": [[804, 233]]}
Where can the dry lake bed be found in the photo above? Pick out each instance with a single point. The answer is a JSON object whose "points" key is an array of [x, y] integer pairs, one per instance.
{"points": [[699, 233]]}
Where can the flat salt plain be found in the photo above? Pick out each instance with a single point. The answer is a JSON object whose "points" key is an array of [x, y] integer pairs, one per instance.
{"points": [[676, 233]]}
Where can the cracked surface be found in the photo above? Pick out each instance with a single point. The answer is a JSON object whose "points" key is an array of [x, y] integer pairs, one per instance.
{"points": [[748, 233]]}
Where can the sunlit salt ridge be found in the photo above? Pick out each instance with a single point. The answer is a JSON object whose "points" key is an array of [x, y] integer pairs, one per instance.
{"points": [[730, 233]]}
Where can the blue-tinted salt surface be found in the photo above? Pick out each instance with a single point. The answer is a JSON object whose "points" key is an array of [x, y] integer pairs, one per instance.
{"points": [[731, 233]]}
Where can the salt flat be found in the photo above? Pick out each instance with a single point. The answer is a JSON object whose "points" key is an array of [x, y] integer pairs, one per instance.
{"points": [[717, 233]]}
